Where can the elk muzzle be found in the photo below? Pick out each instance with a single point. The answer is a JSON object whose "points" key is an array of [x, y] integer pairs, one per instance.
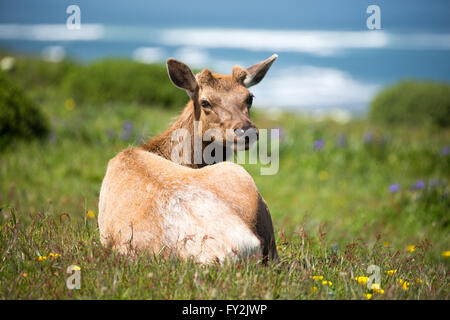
{"points": [[246, 135]]}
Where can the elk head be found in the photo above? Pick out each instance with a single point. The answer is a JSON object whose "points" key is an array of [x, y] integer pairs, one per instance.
{"points": [[222, 102]]}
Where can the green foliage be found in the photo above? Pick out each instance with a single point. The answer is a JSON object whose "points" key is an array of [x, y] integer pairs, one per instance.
{"points": [[32, 73], [19, 116], [100, 82], [413, 102], [342, 185], [123, 81], [429, 205], [331, 207], [37, 254]]}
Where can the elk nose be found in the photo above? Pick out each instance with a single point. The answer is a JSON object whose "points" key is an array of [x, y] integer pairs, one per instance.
{"points": [[239, 132], [247, 129]]}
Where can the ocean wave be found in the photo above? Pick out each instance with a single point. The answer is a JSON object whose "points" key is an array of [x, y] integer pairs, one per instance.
{"points": [[323, 43], [51, 32], [316, 42], [314, 89]]}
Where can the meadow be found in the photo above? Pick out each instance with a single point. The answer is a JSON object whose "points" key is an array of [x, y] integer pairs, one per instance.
{"points": [[347, 195]]}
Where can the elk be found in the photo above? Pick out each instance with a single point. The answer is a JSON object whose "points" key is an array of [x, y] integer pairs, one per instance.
{"points": [[205, 211]]}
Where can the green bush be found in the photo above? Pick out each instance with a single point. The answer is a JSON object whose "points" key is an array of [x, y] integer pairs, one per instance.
{"points": [[123, 81], [19, 116], [100, 82], [33, 73], [413, 102]]}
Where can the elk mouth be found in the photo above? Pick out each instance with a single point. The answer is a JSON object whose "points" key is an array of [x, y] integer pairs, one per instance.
{"points": [[238, 141], [243, 141]]}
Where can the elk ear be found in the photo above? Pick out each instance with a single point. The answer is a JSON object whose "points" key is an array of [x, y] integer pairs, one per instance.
{"points": [[256, 72], [181, 76]]}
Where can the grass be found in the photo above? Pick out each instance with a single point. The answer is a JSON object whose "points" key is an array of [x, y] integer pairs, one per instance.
{"points": [[332, 210], [106, 275]]}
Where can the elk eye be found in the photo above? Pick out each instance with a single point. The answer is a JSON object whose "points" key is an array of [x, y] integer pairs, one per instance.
{"points": [[205, 104], [250, 99]]}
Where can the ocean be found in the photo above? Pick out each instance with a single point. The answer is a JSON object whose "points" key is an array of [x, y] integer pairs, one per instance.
{"points": [[329, 61]]}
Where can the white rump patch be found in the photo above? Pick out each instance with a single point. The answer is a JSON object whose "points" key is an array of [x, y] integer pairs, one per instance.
{"points": [[198, 224]]}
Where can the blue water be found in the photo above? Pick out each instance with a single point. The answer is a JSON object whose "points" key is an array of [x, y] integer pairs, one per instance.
{"points": [[348, 77]]}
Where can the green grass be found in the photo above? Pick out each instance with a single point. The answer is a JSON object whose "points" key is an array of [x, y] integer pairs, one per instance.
{"points": [[332, 211], [106, 275]]}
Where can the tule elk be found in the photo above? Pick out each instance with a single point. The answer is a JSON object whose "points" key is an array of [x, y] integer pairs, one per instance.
{"points": [[165, 198]]}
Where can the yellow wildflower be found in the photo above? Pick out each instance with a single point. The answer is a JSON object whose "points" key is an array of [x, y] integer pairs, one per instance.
{"points": [[411, 248], [314, 289], [378, 291], [69, 104], [446, 254], [386, 244], [53, 255], [362, 280], [391, 272], [327, 283], [368, 296], [317, 277], [41, 258], [403, 283], [418, 280], [91, 214], [76, 268], [323, 175], [376, 288]]}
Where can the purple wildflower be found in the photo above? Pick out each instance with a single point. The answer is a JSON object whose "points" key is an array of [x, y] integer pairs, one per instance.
{"points": [[319, 144], [393, 188], [420, 184], [433, 182], [341, 140], [368, 137], [126, 135], [127, 130], [52, 137], [127, 125], [445, 151]]}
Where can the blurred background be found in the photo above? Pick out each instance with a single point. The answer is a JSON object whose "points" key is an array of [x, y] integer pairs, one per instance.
{"points": [[362, 115], [329, 60]]}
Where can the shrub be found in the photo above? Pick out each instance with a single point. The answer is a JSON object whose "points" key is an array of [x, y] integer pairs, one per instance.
{"points": [[33, 73], [413, 102], [19, 116], [123, 81]]}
